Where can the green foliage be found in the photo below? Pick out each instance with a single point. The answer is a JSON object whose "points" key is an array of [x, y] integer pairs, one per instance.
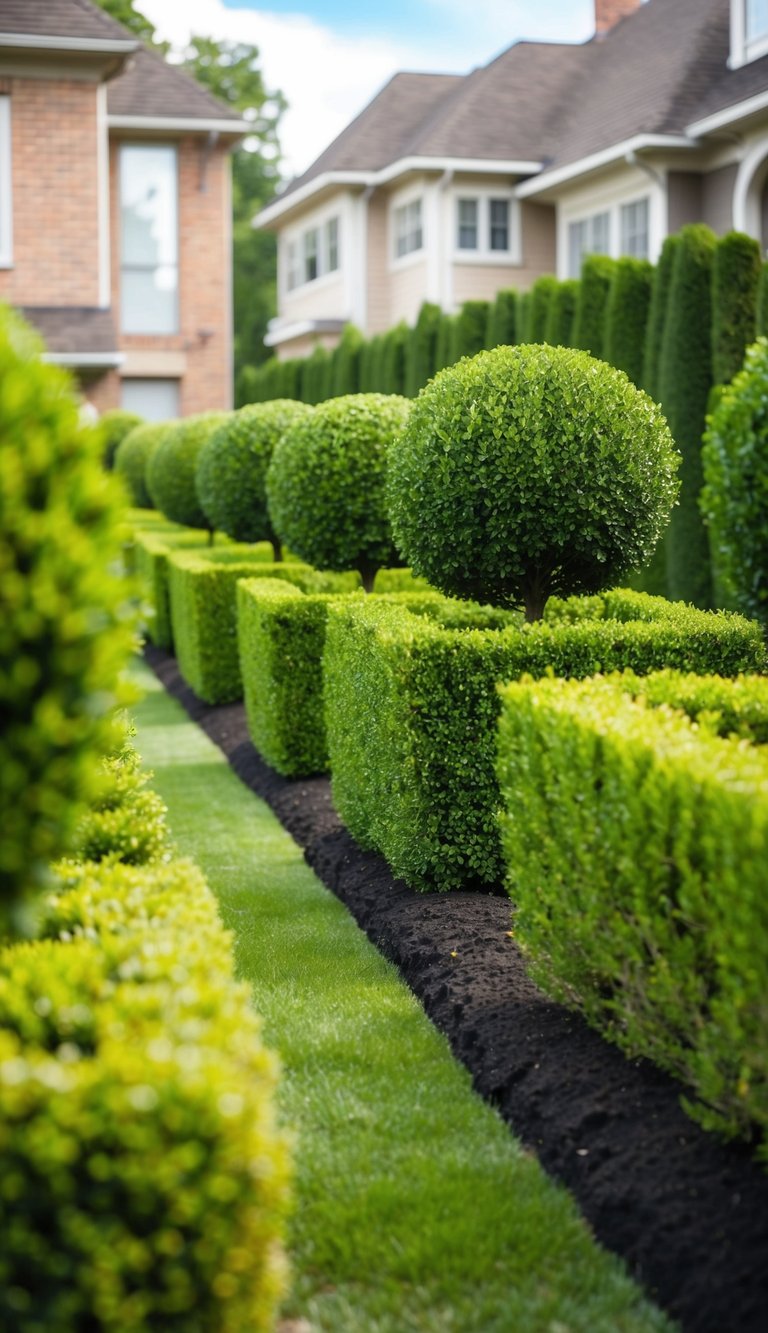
{"points": [[113, 428], [173, 464], [145, 1178], [399, 580], [761, 314], [394, 347], [503, 327], [656, 929], [735, 498], [346, 362], [421, 349], [626, 317], [151, 549], [262, 384], [562, 313], [542, 297], [445, 347], [524, 317], [657, 315], [735, 278], [684, 382], [133, 455], [326, 483], [529, 471], [470, 329], [123, 12], [315, 376], [203, 590], [589, 325], [370, 364], [412, 706], [232, 469], [125, 822], [65, 619]]}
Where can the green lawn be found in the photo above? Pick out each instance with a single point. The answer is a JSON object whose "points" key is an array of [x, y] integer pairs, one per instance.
{"points": [[416, 1210]]}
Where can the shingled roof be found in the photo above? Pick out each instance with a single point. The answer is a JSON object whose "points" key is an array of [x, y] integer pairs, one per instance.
{"points": [[79, 333], [153, 88], [72, 19]]}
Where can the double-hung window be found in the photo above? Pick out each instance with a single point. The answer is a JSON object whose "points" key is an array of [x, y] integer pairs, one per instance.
{"points": [[409, 229], [149, 239], [756, 20], [634, 229], [588, 236], [6, 210], [311, 254], [483, 225]]}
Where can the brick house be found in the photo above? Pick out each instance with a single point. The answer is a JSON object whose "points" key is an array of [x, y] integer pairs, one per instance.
{"points": [[115, 212], [447, 188]]}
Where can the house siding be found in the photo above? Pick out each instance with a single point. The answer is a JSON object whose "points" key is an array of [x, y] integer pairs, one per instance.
{"points": [[407, 291], [717, 198], [378, 277], [55, 188], [684, 199]]}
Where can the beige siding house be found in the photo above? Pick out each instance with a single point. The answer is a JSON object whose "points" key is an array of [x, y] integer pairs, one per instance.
{"points": [[115, 214], [447, 188]]}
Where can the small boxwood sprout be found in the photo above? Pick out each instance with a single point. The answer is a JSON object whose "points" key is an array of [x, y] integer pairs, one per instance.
{"points": [[528, 471]]}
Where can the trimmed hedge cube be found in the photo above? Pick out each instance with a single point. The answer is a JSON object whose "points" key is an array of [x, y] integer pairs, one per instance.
{"points": [[203, 589], [151, 551], [411, 711], [636, 844]]}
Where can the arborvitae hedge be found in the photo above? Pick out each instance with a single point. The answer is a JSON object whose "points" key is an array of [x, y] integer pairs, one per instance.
{"points": [[471, 329], [627, 316], [735, 279], [315, 380], [657, 314], [685, 379], [589, 324], [446, 342], [524, 318], [420, 351], [345, 371], [502, 330], [393, 354], [561, 314], [761, 322], [542, 297]]}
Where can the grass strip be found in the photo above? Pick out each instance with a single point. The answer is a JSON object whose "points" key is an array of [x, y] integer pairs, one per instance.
{"points": [[416, 1210]]}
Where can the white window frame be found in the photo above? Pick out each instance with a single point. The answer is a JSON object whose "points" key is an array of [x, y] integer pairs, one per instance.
{"points": [[483, 197], [589, 220], [401, 206], [6, 186], [623, 211], [296, 247], [744, 49], [587, 204], [125, 268]]}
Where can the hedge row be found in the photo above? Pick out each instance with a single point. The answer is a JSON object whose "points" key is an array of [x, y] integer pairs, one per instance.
{"points": [[151, 550], [411, 710], [635, 831]]}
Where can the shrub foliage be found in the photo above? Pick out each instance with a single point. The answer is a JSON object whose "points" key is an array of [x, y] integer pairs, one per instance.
{"points": [[132, 459], [113, 428], [172, 468]]}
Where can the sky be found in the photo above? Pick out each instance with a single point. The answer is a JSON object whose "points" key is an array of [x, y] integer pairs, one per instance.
{"points": [[329, 57]]}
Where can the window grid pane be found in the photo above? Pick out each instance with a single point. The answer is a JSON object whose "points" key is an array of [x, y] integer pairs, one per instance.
{"points": [[499, 228], [634, 229], [757, 19], [149, 239], [332, 244], [408, 230], [467, 224]]}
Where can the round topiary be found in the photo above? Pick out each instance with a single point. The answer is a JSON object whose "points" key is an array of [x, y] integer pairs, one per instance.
{"points": [[64, 617], [326, 483], [171, 470], [232, 469], [528, 471], [132, 459], [113, 428], [735, 498]]}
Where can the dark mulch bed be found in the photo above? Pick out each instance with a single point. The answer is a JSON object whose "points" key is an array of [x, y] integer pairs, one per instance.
{"points": [[688, 1213]]}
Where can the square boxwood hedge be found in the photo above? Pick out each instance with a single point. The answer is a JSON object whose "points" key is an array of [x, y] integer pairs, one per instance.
{"points": [[152, 548], [203, 588], [144, 1175], [635, 830], [412, 706], [281, 636]]}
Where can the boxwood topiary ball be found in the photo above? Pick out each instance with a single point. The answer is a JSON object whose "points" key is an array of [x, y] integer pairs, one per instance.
{"points": [[326, 482], [527, 471], [232, 468], [113, 428], [132, 459], [171, 470]]}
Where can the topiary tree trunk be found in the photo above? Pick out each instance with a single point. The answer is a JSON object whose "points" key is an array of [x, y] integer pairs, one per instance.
{"points": [[685, 379], [735, 279]]}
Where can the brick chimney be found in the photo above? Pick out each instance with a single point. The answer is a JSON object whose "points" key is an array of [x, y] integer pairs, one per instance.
{"points": [[608, 13]]}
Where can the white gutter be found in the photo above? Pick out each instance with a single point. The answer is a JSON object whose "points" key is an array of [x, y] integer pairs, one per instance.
{"points": [[181, 124], [299, 328], [720, 119], [84, 360], [92, 45], [485, 166], [617, 152]]}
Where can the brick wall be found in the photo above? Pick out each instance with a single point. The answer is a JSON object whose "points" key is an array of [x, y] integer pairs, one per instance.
{"points": [[55, 194], [205, 317]]}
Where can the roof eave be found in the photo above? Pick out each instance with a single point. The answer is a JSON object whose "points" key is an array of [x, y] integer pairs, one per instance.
{"points": [[181, 125], [281, 333], [729, 115], [85, 360], [89, 45], [549, 180]]}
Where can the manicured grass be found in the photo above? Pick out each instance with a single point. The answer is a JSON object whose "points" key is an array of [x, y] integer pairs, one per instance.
{"points": [[416, 1210]]}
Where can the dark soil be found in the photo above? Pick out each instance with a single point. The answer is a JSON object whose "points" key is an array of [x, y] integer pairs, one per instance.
{"points": [[688, 1213]]}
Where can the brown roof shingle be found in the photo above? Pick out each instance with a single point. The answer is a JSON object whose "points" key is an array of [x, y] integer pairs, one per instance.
{"points": [[78, 330], [60, 18], [151, 87]]}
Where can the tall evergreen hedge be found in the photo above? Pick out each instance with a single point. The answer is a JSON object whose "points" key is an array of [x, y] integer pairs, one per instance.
{"points": [[471, 329], [735, 280], [393, 354], [315, 379], [589, 324], [542, 297], [685, 379], [345, 371], [524, 318], [657, 314], [627, 316], [445, 354], [561, 314], [502, 327], [762, 302], [420, 351]]}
